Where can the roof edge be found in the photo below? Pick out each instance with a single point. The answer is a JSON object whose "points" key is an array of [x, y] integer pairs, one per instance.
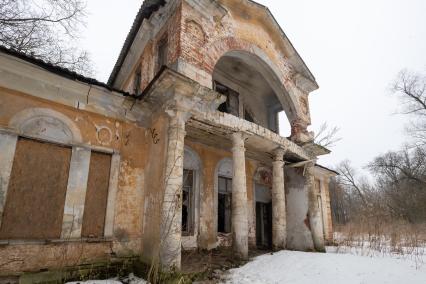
{"points": [[147, 8], [58, 70]]}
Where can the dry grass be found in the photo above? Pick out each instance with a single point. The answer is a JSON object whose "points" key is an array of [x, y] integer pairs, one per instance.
{"points": [[378, 238]]}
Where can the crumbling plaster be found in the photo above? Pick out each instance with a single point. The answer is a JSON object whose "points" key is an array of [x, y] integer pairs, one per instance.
{"points": [[204, 31], [124, 212]]}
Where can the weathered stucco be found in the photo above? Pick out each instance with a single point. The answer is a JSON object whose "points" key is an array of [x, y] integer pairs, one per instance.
{"points": [[147, 134], [299, 236], [127, 140]]}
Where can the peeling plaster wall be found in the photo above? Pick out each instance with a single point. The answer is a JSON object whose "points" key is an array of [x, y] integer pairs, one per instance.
{"points": [[324, 179], [200, 32], [210, 30], [154, 187], [127, 139], [210, 158], [299, 236]]}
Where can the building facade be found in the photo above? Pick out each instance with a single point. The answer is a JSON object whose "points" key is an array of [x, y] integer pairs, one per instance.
{"points": [[180, 150]]}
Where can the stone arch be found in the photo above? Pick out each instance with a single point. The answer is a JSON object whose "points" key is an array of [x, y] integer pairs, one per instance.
{"points": [[191, 160], [46, 124], [278, 77], [224, 168]]}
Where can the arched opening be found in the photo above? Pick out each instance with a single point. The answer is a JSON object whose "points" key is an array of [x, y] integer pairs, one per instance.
{"points": [[46, 124], [191, 192], [253, 90], [224, 172]]}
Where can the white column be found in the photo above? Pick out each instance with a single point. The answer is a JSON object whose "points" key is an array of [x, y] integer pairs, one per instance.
{"points": [[239, 198], [7, 154], [279, 233], [171, 217], [112, 195], [315, 219], [76, 193]]}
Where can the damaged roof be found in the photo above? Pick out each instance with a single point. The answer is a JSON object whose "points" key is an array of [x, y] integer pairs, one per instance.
{"points": [[327, 169], [148, 7]]}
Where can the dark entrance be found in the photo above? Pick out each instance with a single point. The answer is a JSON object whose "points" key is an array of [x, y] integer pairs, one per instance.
{"points": [[224, 205], [264, 225], [263, 217]]}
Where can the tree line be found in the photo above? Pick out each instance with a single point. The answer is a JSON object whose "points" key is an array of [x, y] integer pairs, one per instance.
{"points": [[397, 187]]}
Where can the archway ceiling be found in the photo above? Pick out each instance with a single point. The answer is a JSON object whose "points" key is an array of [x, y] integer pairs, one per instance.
{"points": [[245, 75]]}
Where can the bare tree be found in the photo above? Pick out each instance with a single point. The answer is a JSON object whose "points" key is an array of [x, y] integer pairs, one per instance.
{"points": [[411, 89], [401, 179], [327, 136], [339, 210], [349, 180], [45, 29]]}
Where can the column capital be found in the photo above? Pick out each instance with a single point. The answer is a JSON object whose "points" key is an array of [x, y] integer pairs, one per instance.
{"points": [[238, 139], [178, 117], [278, 154]]}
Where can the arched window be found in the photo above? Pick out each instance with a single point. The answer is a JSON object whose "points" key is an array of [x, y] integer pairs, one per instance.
{"points": [[224, 195], [190, 198], [53, 186]]}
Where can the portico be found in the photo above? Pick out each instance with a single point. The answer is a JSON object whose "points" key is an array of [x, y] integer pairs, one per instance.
{"points": [[197, 121]]}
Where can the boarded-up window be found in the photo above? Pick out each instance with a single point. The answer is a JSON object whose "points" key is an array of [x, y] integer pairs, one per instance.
{"points": [[37, 188], [96, 195]]}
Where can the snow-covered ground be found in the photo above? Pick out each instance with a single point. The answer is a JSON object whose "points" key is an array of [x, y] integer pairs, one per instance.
{"points": [[332, 267]]}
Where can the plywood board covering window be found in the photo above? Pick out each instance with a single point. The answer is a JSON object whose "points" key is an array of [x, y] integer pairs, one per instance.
{"points": [[37, 189], [96, 195]]}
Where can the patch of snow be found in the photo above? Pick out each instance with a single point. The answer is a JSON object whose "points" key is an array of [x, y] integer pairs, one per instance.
{"points": [[302, 267], [131, 279]]}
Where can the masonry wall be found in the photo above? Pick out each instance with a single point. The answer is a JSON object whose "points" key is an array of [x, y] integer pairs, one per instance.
{"points": [[132, 144], [200, 32], [243, 27]]}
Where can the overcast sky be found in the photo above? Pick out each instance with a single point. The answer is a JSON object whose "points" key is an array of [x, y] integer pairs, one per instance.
{"points": [[354, 48]]}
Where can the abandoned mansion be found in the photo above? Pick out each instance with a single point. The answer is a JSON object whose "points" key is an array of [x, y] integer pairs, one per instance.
{"points": [[179, 150]]}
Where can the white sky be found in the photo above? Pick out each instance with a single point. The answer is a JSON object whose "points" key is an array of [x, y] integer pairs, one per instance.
{"points": [[354, 48]]}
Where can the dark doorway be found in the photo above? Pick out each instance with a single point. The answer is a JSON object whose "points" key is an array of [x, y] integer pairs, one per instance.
{"points": [[187, 202], [264, 225], [224, 205]]}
